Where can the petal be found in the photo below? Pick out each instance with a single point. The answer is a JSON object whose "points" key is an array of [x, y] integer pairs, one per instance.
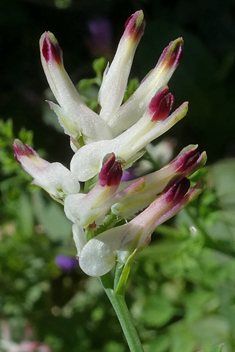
{"points": [[87, 161], [115, 77], [97, 258], [128, 203], [140, 140], [65, 121], [56, 179], [92, 207], [28, 158], [70, 206], [88, 123], [133, 109], [79, 237], [99, 255], [165, 206]]}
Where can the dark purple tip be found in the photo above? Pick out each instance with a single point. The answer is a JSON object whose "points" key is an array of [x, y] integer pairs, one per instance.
{"points": [[172, 54], [178, 190], [177, 53], [111, 172], [21, 149], [51, 49], [135, 25], [189, 159], [161, 105]]}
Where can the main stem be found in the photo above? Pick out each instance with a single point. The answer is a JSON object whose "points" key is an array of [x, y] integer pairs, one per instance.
{"points": [[123, 314]]}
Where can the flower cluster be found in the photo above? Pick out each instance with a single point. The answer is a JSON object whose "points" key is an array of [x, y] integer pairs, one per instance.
{"points": [[114, 219]]}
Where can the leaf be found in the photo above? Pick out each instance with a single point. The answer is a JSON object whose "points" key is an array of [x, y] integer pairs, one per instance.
{"points": [[222, 176], [99, 66], [132, 86], [160, 344], [25, 215], [157, 310], [84, 84], [51, 216], [217, 348]]}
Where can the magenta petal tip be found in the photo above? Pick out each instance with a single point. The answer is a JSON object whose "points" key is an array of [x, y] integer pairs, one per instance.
{"points": [[161, 105], [173, 53], [21, 149], [50, 48], [111, 172], [135, 25], [178, 190]]}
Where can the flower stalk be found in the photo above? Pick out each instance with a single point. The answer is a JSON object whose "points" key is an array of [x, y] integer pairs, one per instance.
{"points": [[119, 305]]}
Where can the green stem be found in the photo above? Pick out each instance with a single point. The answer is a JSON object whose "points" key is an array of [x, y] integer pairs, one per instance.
{"points": [[123, 314]]}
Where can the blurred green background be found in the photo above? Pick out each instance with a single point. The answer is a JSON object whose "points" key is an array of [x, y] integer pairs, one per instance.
{"points": [[182, 291]]}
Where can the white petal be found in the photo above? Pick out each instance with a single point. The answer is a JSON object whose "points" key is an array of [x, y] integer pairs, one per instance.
{"points": [[65, 121], [97, 258], [115, 77], [99, 255], [55, 178], [79, 237], [134, 107], [87, 161], [71, 203], [90, 125]]}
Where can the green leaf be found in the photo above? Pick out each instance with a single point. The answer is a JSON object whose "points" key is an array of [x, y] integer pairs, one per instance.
{"points": [[84, 84], [222, 176], [52, 218], [131, 88], [25, 215], [99, 66], [157, 310], [159, 344], [217, 348], [63, 4]]}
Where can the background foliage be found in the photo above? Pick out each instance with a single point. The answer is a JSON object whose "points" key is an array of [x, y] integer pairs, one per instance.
{"points": [[181, 291]]}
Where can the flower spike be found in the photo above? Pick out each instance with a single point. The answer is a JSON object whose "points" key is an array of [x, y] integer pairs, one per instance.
{"points": [[108, 143]]}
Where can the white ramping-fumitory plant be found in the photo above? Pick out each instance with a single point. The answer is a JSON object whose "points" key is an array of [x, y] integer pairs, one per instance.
{"points": [[113, 219]]}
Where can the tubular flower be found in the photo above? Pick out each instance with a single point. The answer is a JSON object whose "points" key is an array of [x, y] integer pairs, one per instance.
{"points": [[113, 219], [99, 255], [55, 178]]}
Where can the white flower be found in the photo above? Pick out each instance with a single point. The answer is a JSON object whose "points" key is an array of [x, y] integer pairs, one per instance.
{"points": [[55, 178], [87, 161], [106, 144], [99, 255]]}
